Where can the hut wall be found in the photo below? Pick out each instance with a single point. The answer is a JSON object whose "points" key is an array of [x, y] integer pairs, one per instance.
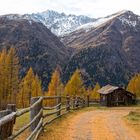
{"points": [[103, 100]]}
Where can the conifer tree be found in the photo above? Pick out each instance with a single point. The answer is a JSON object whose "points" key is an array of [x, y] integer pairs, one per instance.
{"points": [[22, 97], [36, 87], [29, 87], [89, 91], [12, 65], [94, 94], [75, 85], [9, 76], [134, 85], [55, 86], [3, 77]]}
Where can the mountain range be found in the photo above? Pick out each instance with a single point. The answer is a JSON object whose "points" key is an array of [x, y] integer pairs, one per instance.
{"points": [[105, 49], [59, 23]]}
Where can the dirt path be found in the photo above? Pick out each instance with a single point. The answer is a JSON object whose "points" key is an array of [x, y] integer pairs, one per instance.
{"points": [[99, 125]]}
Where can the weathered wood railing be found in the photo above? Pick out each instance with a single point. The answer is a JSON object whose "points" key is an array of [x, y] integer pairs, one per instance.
{"points": [[38, 115]]}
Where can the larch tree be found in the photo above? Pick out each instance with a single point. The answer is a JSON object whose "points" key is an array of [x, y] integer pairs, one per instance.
{"points": [[29, 87], [36, 87], [9, 76], [94, 94], [75, 85], [134, 85], [26, 87], [89, 91], [3, 78], [22, 97], [55, 86], [28, 80], [12, 64]]}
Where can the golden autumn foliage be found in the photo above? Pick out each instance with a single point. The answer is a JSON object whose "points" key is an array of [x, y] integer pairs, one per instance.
{"points": [[134, 85], [9, 76], [94, 94], [30, 87], [55, 86], [75, 85], [13, 74], [36, 87]]}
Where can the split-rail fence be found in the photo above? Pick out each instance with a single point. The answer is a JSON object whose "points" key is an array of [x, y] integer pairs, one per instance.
{"points": [[38, 115]]}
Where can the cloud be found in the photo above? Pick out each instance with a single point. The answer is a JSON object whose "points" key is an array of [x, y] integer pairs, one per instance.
{"points": [[94, 8]]}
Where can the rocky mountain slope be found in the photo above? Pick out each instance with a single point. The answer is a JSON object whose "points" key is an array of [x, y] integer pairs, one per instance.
{"points": [[108, 51], [36, 45], [59, 23]]}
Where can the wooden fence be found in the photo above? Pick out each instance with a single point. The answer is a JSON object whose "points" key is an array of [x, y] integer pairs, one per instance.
{"points": [[38, 115]]}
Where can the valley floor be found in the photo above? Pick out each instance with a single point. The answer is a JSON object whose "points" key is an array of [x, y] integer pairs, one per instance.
{"points": [[94, 124]]}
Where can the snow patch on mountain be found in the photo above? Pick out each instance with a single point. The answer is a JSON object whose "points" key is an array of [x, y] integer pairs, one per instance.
{"points": [[130, 19], [87, 27], [61, 24], [129, 22]]}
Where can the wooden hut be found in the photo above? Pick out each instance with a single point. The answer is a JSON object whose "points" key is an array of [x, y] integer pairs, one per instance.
{"points": [[115, 96]]}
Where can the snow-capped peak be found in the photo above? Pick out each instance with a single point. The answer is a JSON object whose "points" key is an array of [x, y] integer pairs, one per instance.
{"points": [[62, 24], [125, 16]]}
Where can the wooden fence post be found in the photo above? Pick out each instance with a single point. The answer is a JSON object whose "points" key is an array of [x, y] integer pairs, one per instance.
{"points": [[73, 103], [87, 100], [59, 107], [4, 113], [67, 103], [8, 119], [12, 108], [34, 111], [82, 102]]}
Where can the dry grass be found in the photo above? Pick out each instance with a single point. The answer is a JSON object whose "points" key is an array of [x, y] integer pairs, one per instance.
{"points": [[22, 121], [133, 120], [134, 116]]}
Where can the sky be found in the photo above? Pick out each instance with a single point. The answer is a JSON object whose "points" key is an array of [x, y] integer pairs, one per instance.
{"points": [[92, 8]]}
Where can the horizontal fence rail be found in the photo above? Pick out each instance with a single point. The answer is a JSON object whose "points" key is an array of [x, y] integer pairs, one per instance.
{"points": [[39, 114], [50, 108]]}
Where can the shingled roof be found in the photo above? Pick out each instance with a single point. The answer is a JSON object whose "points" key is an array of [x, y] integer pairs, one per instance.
{"points": [[107, 89]]}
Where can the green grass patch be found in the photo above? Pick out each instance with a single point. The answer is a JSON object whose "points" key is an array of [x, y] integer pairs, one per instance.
{"points": [[134, 116]]}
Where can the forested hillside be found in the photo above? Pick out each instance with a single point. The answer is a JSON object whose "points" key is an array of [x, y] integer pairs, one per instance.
{"points": [[108, 50], [36, 46]]}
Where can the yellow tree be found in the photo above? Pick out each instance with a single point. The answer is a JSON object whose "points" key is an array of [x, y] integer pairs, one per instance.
{"points": [[26, 88], [89, 91], [55, 86], [36, 87], [12, 65], [94, 94], [22, 96], [1, 94], [29, 87], [9, 72], [3, 78], [75, 85], [134, 85], [28, 80]]}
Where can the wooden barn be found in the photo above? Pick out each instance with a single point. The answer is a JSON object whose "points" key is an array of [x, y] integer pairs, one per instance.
{"points": [[115, 96]]}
